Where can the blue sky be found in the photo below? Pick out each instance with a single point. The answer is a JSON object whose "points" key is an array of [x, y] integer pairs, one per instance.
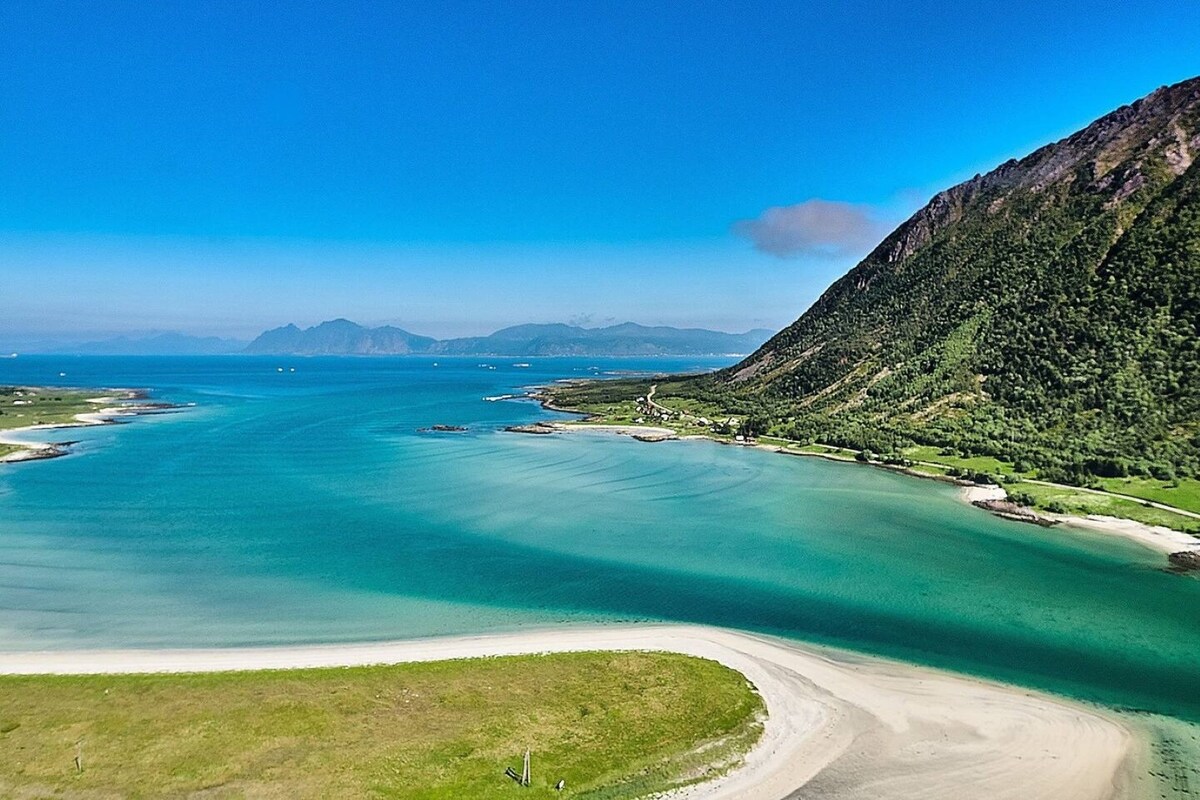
{"points": [[223, 167]]}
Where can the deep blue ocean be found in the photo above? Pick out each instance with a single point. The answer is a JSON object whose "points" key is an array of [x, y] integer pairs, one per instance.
{"points": [[306, 506]]}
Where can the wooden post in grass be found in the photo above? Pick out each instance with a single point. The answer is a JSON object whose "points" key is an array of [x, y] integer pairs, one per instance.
{"points": [[79, 756], [525, 772]]}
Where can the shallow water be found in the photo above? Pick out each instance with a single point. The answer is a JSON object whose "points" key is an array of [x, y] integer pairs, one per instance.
{"points": [[305, 506]]}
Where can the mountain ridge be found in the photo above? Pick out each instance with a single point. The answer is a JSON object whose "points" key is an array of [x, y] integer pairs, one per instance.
{"points": [[150, 344], [1047, 311], [342, 337]]}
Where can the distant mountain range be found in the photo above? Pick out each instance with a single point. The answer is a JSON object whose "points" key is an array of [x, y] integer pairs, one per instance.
{"points": [[167, 343], [343, 337], [178, 344]]}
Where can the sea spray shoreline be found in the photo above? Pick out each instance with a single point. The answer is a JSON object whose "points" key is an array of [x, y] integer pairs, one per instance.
{"points": [[832, 716]]}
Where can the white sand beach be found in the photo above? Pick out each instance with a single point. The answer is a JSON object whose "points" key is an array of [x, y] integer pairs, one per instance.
{"points": [[839, 725], [1155, 537], [976, 493]]}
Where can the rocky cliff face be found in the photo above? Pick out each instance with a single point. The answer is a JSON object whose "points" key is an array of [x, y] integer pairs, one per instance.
{"points": [[1112, 154]]}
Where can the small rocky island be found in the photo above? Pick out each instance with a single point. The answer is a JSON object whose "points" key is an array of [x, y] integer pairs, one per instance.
{"points": [[537, 428]]}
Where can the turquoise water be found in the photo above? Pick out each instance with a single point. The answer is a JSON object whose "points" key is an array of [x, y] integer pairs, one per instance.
{"points": [[305, 507]]}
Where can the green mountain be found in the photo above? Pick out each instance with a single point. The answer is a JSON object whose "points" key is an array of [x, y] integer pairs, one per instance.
{"points": [[1047, 312]]}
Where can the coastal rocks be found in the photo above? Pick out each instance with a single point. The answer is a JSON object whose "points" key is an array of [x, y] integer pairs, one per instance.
{"points": [[538, 428], [442, 429], [1185, 561], [654, 437], [37, 453], [1010, 510]]}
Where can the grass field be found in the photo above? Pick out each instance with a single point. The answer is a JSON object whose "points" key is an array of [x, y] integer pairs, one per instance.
{"points": [[992, 466], [23, 406], [1067, 500], [613, 725], [1182, 493]]}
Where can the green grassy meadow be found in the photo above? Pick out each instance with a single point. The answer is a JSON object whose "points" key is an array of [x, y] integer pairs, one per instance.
{"points": [[21, 406], [1181, 492], [613, 725], [1069, 500]]}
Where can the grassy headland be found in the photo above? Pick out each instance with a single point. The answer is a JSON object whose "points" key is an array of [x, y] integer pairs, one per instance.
{"points": [[22, 406], [29, 406], [612, 725]]}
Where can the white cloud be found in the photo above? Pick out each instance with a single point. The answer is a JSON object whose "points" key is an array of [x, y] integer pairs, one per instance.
{"points": [[814, 228]]}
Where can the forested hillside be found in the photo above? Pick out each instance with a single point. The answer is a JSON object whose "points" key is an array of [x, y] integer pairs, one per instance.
{"points": [[1047, 313]]}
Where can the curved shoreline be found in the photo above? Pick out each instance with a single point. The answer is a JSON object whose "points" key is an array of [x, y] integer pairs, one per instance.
{"points": [[1164, 541], [841, 724], [103, 415]]}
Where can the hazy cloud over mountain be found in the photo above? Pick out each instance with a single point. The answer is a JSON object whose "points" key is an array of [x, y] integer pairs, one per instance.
{"points": [[814, 228]]}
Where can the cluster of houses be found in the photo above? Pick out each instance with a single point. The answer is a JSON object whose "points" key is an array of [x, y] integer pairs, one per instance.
{"points": [[655, 412], [652, 412]]}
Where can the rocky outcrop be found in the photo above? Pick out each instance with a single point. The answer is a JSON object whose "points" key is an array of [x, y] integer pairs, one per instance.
{"points": [[1185, 561], [1013, 511], [654, 437], [537, 428]]}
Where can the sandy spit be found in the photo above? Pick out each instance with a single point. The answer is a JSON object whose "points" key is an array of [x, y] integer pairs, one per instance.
{"points": [[839, 725]]}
